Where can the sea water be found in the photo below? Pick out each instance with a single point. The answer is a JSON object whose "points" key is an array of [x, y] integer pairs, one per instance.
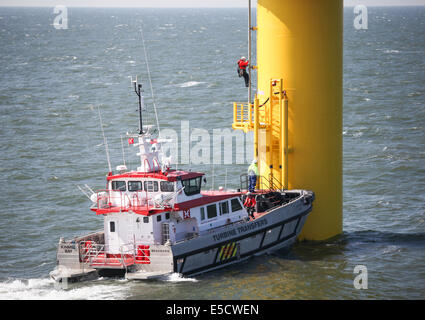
{"points": [[53, 82]]}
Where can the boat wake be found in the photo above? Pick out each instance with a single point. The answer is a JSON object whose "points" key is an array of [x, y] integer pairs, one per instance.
{"points": [[48, 289], [177, 277]]}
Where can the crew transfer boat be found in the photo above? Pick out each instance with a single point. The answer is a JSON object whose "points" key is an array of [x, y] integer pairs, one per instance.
{"points": [[159, 221]]}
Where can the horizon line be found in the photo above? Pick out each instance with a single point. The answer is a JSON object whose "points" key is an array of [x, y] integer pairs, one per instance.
{"points": [[183, 7]]}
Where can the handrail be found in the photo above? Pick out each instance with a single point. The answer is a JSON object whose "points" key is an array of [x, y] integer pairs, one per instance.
{"points": [[273, 180], [107, 198], [95, 254], [243, 116], [262, 182]]}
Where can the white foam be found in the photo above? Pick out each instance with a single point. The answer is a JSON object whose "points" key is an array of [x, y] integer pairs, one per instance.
{"points": [[391, 249], [189, 84], [357, 134], [177, 277], [391, 51], [46, 289]]}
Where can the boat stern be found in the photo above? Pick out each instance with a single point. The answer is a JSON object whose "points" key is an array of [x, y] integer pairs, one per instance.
{"points": [[69, 266]]}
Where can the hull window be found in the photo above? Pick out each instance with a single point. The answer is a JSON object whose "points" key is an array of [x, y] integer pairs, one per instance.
{"points": [[224, 207], [167, 186], [202, 213], [151, 186], [236, 205], [135, 186], [211, 211], [118, 185]]}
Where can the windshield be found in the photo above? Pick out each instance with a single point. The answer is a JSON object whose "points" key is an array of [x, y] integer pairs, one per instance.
{"points": [[192, 186]]}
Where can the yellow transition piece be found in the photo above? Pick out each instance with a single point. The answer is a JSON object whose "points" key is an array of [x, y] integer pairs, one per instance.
{"points": [[299, 43]]}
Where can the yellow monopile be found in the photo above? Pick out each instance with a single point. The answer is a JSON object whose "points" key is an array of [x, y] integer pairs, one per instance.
{"points": [[300, 42]]}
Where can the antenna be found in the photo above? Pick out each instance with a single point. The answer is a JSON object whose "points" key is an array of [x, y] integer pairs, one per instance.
{"points": [[105, 141], [138, 90], [149, 77], [122, 147]]}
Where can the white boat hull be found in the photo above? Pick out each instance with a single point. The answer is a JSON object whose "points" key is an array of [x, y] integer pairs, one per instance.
{"points": [[274, 229]]}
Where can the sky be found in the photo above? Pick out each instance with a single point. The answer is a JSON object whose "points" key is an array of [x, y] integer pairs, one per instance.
{"points": [[180, 3]]}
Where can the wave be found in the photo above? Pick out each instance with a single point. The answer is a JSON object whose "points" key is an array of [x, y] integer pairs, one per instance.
{"points": [[391, 51], [48, 289], [189, 84], [374, 236]]}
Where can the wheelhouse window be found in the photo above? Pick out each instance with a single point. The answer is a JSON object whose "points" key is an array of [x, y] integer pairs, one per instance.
{"points": [[224, 207], [135, 186], [211, 211], [118, 185], [112, 226], [236, 205], [151, 186], [202, 213], [167, 186], [192, 186]]}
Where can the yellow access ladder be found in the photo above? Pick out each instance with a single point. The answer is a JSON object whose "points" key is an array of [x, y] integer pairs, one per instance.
{"points": [[269, 121]]}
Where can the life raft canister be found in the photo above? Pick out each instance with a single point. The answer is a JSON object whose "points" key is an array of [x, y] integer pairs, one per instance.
{"points": [[143, 254], [87, 246]]}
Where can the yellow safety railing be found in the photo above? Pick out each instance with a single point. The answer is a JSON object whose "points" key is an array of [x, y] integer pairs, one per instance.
{"points": [[243, 116]]}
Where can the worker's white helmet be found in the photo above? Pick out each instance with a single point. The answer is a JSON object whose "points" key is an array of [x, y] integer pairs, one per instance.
{"points": [[243, 58], [254, 161]]}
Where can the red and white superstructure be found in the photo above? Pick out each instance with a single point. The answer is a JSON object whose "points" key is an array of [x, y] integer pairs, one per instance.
{"points": [[135, 204]]}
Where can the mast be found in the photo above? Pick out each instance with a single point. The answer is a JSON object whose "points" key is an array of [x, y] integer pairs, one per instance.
{"points": [[138, 89]]}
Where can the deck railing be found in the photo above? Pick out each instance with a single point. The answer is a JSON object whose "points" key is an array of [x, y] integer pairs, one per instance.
{"points": [[263, 183], [138, 200], [96, 255]]}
